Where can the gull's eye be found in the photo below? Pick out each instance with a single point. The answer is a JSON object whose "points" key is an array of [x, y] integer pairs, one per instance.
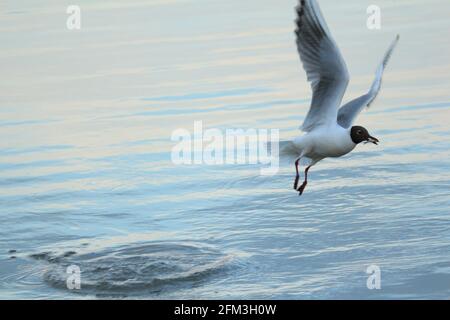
{"points": [[359, 132]]}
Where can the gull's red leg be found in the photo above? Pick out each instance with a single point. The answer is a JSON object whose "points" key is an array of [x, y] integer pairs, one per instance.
{"points": [[297, 177], [303, 186]]}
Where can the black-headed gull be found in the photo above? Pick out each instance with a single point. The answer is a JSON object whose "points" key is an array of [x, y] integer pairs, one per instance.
{"points": [[329, 129]]}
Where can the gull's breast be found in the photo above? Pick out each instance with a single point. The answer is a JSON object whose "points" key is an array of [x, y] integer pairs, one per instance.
{"points": [[333, 143]]}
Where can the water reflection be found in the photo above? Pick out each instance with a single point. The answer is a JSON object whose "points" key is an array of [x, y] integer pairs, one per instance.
{"points": [[86, 120]]}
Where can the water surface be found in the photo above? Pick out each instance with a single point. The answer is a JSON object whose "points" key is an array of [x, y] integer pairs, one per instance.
{"points": [[86, 176]]}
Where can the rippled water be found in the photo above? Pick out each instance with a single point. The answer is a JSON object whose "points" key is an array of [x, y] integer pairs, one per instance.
{"points": [[86, 178]]}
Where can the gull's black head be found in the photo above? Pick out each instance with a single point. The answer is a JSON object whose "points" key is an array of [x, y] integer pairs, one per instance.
{"points": [[360, 134]]}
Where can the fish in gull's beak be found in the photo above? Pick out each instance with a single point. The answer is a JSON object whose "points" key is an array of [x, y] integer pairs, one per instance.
{"points": [[373, 140]]}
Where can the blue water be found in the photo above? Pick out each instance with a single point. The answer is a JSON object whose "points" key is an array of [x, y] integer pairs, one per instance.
{"points": [[86, 176]]}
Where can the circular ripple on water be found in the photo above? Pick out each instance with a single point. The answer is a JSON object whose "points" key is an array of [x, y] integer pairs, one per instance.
{"points": [[135, 269]]}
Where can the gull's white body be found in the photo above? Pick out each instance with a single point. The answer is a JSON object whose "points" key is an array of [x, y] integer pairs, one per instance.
{"points": [[324, 142]]}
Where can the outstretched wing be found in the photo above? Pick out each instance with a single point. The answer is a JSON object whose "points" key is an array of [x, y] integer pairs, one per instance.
{"points": [[323, 63], [348, 113]]}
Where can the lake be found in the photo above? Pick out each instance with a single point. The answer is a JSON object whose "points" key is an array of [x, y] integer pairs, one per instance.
{"points": [[87, 178]]}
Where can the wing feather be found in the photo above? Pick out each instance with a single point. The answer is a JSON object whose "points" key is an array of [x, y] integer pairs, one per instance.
{"points": [[347, 114], [323, 63]]}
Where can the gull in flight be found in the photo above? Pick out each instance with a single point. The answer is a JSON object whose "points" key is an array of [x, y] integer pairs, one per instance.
{"points": [[329, 129]]}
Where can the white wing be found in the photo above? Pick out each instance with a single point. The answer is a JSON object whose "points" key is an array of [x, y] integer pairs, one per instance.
{"points": [[348, 113], [323, 63]]}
